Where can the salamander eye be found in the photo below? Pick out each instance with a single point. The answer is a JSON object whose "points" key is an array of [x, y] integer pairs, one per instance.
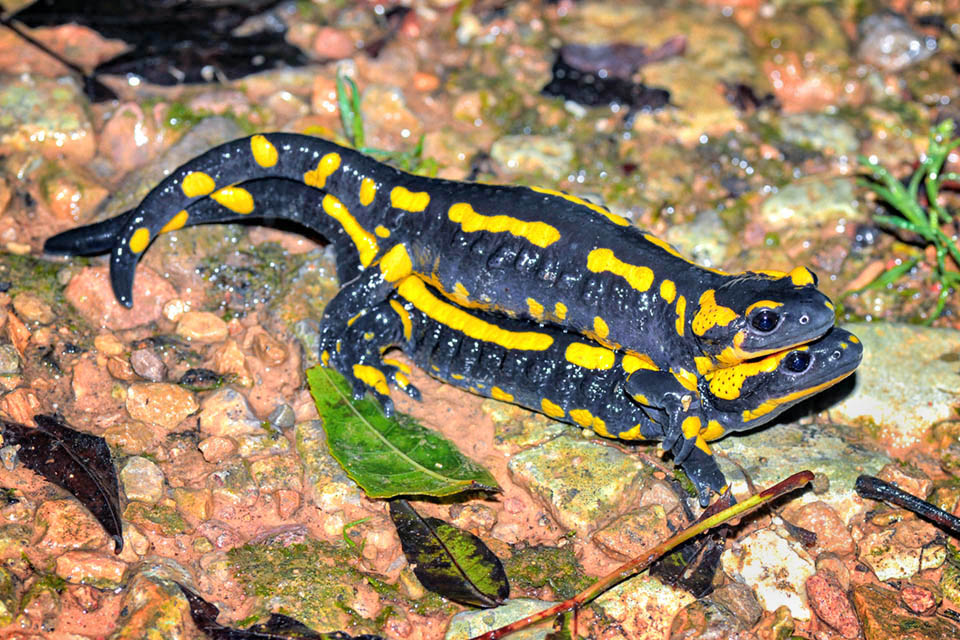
{"points": [[765, 321], [797, 361]]}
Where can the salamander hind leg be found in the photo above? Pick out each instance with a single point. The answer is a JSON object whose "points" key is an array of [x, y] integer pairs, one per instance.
{"points": [[702, 469]]}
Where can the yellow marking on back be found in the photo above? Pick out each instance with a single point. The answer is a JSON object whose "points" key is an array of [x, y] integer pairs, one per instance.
{"points": [[586, 419], [197, 183], [414, 201], [368, 191], [535, 308], [710, 314], [763, 304], [413, 289], [772, 403], [381, 231], [560, 310], [396, 264], [668, 291], [687, 379], [854, 339], [236, 199], [727, 383], [539, 233], [325, 358], [139, 240], [456, 376], [802, 276], [328, 164], [703, 363], [600, 327], [363, 240], [600, 260], [396, 363], [551, 409], [402, 381], [634, 361], [176, 222], [681, 315], [829, 305], [499, 394], [589, 356], [612, 217], [712, 431], [264, 153], [372, 377], [690, 427]]}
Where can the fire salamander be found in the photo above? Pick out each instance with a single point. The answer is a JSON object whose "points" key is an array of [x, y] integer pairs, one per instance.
{"points": [[528, 253]]}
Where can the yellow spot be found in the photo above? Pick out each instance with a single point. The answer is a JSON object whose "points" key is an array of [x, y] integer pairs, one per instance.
{"points": [[703, 363], [413, 289], [762, 304], [264, 153], [773, 273], [456, 376], [368, 335], [690, 427], [635, 361], [681, 314], [854, 339], [589, 357], [325, 358], [368, 191], [365, 242], [701, 444], [404, 318], [727, 383], [372, 377], [560, 310], [600, 327], [599, 260], [687, 379], [234, 198], [139, 240], [802, 276], [536, 309], [713, 431], [414, 201], [551, 409], [772, 403], [612, 217], [633, 433], [197, 183], [829, 305], [176, 222], [586, 419], [356, 317], [668, 290], [499, 394], [396, 363], [381, 231], [710, 314], [642, 399], [460, 291], [402, 381], [328, 164], [539, 233], [396, 264]]}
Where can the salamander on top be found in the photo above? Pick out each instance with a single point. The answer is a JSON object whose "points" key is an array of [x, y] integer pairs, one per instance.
{"points": [[528, 253]]}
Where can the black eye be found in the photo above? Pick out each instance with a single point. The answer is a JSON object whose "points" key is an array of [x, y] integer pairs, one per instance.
{"points": [[765, 321], [797, 361]]}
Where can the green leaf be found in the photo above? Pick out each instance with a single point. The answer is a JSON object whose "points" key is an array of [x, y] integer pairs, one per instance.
{"points": [[388, 457], [449, 561]]}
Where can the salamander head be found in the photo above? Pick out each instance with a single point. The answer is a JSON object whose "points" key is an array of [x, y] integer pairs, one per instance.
{"points": [[754, 392], [756, 314]]}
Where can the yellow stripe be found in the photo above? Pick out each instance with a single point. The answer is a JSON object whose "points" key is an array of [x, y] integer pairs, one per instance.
{"points": [[612, 217], [396, 363], [381, 231], [634, 361], [368, 191], [589, 357], [414, 201], [536, 309], [404, 318], [372, 377], [551, 409], [396, 264], [599, 260], [234, 198], [681, 313], [176, 222], [365, 243], [538, 233], [766, 407], [328, 164], [499, 394], [560, 310], [264, 153], [768, 304], [600, 327], [197, 183], [586, 419], [413, 289], [802, 276]]}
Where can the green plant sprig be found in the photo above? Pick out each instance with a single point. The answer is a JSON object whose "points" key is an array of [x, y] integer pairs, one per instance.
{"points": [[911, 216]]}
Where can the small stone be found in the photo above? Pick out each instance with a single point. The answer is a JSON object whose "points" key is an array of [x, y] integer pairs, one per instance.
{"points": [[90, 293], [9, 360], [142, 480], [384, 106], [469, 624], [121, 369], [829, 601], [739, 599], [131, 138], [228, 359], [270, 350], [832, 535], [288, 501], [20, 404], [226, 413], [91, 568], [902, 551], [161, 403], [196, 505], [630, 535], [67, 525], [202, 326], [32, 309], [216, 448], [283, 417], [147, 364], [333, 44], [888, 42], [706, 618], [475, 518], [277, 472], [153, 607], [910, 479], [529, 155], [881, 617], [108, 344], [921, 596]]}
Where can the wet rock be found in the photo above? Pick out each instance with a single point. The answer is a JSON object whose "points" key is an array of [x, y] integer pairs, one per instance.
{"points": [[288, 501], [630, 535], [9, 360], [643, 607], [582, 484], [108, 344], [821, 132], [70, 195], [277, 472], [142, 480], [920, 596], [134, 438], [225, 413], [66, 525], [550, 156], [879, 611], [46, 115], [888, 42], [902, 551], [161, 519], [283, 417], [196, 505], [811, 202], [740, 600], [469, 624], [32, 309], [832, 534], [154, 607], [897, 361], [233, 485], [216, 448], [705, 619], [705, 240], [775, 567], [330, 486], [201, 326], [829, 601], [91, 568], [132, 137], [385, 107], [270, 350], [147, 364], [90, 294], [910, 479], [333, 44], [950, 583], [475, 518], [9, 602], [228, 359], [161, 403]]}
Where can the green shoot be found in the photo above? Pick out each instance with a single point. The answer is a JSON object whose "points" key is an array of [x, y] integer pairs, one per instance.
{"points": [[357, 548], [911, 215]]}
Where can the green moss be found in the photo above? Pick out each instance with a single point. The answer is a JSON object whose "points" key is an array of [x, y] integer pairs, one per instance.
{"points": [[542, 566], [169, 521]]}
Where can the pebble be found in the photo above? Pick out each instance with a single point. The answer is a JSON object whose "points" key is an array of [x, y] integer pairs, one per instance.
{"points": [[225, 413], [108, 344], [32, 309], [283, 417], [201, 326], [216, 448], [147, 364], [551, 156], [831, 604], [9, 360], [67, 525], [888, 42], [91, 568], [46, 115], [832, 534], [903, 550], [882, 618], [810, 203], [161, 403], [132, 138], [469, 624], [631, 534], [643, 607], [196, 505], [142, 480], [271, 351], [741, 601], [89, 292], [921, 596], [154, 607], [384, 107], [705, 619], [333, 44]]}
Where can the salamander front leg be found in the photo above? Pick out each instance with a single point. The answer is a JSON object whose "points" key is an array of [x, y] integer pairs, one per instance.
{"points": [[702, 469], [663, 391]]}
